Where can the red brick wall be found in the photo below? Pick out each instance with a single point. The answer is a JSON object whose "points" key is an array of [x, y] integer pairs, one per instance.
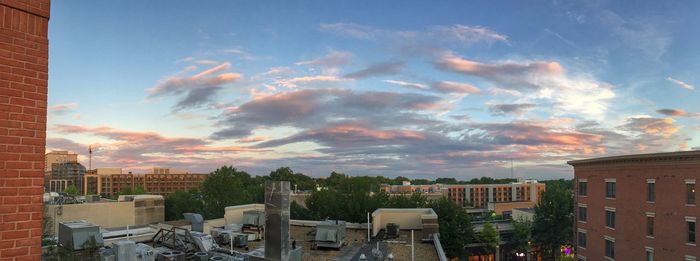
{"points": [[631, 207], [23, 89]]}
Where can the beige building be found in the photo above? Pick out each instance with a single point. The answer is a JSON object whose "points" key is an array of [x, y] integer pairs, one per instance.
{"points": [[57, 157], [126, 211]]}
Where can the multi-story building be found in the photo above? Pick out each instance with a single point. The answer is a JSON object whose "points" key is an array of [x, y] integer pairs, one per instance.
{"points": [[58, 156], [407, 188], [110, 182], [480, 195], [637, 207], [63, 175]]}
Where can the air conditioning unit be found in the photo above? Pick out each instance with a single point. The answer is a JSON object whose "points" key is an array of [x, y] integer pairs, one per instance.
{"points": [[125, 250], [171, 256]]}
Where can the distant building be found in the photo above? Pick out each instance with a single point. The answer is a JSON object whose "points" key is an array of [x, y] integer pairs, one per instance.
{"points": [[407, 188], [63, 175], [480, 195], [637, 207], [58, 156], [110, 182]]}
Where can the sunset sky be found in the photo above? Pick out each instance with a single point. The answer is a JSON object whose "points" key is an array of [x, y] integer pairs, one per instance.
{"points": [[419, 89]]}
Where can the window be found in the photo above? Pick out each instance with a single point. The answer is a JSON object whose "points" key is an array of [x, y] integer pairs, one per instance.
{"points": [[582, 187], [690, 193], [691, 231], [610, 189], [582, 239], [651, 190], [649, 253], [610, 218], [582, 214], [610, 248], [650, 226]]}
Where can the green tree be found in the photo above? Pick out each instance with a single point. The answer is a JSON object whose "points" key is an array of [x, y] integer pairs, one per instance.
{"points": [[522, 231], [183, 202], [71, 190], [553, 219], [456, 229], [490, 237], [224, 187], [297, 211]]}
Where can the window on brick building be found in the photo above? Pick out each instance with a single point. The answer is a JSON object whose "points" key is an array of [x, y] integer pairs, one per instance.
{"points": [[582, 239], [690, 192], [651, 190], [610, 218], [610, 189], [582, 188], [690, 222], [650, 226], [610, 248], [649, 253], [582, 213]]}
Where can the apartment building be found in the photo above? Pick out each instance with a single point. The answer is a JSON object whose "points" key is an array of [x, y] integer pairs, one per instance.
{"points": [[480, 195], [637, 207], [58, 156], [407, 188], [162, 181], [63, 175]]}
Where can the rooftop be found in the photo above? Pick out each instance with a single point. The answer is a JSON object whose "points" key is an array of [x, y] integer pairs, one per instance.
{"points": [[664, 156]]}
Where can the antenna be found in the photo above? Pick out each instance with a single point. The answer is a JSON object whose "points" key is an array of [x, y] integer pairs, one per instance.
{"points": [[90, 157], [512, 175]]}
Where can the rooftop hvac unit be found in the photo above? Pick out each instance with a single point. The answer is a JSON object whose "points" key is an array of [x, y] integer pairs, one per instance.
{"points": [[79, 234], [145, 252], [106, 254], [201, 256], [125, 250], [233, 227], [239, 239], [196, 220], [392, 230], [171, 256], [217, 258]]}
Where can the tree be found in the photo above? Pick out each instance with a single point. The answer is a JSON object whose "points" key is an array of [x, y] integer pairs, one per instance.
{"points": [[490, 238], [521, 236], [224, 187], [297, 211], [183, 202], [71, 190], [456, 229], [553, 221]]}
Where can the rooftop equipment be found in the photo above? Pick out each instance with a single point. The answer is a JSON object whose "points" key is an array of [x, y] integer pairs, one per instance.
{"points": [[329, 234], [392, 230], [79, 234], [197, 221], [171, 256], [145, 252], [125, 250]]}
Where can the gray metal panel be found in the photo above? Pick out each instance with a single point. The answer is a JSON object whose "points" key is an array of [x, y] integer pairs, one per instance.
{"points": [[78, 233], [277, 220], [197, 221], [125, 250]]}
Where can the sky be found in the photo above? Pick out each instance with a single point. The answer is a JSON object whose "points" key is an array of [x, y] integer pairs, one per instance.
{"points": [[421, 89]]}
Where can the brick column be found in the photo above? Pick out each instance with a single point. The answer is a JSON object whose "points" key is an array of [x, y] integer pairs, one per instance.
{"points": [[24, 52]]}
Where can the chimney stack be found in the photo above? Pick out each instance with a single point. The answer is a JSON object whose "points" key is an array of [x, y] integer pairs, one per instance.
{"points": [[277, 220]]}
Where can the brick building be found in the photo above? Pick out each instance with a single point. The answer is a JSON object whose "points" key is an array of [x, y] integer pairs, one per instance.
{"points": [[63, 175], [480, 195], [637, 207], [24, 53], [160, 182]]}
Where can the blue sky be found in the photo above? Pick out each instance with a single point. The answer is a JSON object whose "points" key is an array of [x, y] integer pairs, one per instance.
{"points": [[417, 89]]}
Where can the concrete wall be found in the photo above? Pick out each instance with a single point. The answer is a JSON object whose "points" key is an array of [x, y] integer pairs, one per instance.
{"points": [[508, 206], [520, 215], [407, 218], [111, 214], [24, 60], [234, 214]]}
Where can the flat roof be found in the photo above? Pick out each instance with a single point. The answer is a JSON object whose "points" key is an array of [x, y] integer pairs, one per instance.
{"points": [[693, 154]]}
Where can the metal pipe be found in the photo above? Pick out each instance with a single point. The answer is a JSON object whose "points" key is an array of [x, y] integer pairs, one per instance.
{"points": [[413, 250], [368, 223]]}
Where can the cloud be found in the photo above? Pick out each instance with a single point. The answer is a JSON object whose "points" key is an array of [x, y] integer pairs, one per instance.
{"points": [[675, 112], [574, 94], [308, 80], [651, 126], [273, 72], [377, 69], [199, 89], [510, 109], [133, 149], [457, 34], [63, 108], [681, 83], [307, 108], [454, 87], [332, 59], [410, 85]]}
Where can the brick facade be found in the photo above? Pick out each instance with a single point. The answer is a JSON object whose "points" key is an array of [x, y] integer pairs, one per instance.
{"points": [[23, 90], [669, 172]]}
